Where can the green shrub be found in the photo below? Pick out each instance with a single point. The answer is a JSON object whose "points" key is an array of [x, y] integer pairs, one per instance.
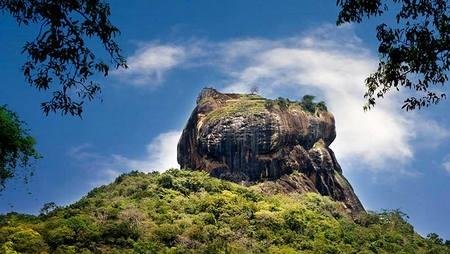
{"points": [[190, 212], [166, 181], [119, 233], [26, 240]]}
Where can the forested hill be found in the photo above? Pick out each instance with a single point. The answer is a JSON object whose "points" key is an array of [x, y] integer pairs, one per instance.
{"points": [[190, 212]]}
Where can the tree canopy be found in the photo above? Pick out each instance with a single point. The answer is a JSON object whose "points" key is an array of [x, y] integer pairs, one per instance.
{"points": [[17, 147], [59, 57], [182, 211], [413, 48]]}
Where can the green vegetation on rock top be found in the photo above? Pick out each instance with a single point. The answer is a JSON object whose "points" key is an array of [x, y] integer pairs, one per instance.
{"points": [[253, 104], [191, 212], [244, 106]]}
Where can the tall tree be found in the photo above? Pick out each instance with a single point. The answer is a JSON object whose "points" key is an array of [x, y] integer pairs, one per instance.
{"points": [[17, 147], [413, 48], [59, 58]]}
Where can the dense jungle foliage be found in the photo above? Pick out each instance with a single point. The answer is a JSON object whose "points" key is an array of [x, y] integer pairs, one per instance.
{"points": [[190, 212]]}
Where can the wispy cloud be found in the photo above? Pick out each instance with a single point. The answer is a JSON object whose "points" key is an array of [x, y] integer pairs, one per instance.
{"points": [[428, 133], [332, 64], [446, 164], [328, 62], [148, 65], [160, 155]]}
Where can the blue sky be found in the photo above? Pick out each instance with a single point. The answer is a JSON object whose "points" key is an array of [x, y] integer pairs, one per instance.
{"points": [[392, 158]]}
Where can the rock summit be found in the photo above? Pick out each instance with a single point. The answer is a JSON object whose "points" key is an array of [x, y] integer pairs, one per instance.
{"points": [[277, 145]]}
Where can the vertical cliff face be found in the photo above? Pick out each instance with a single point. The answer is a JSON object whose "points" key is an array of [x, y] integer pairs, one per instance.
{"points": [[277, 145]]}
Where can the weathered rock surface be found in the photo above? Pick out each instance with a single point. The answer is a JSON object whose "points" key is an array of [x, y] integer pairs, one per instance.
{"points": [[277, 145]]}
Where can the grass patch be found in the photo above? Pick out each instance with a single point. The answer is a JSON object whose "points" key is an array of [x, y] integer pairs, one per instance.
{"points": [[244, 106], [253, 104]]}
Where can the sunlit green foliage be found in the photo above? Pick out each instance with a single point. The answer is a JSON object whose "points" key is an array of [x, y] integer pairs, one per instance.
{"points": [[307, 104], [311, 106], [191, 212], [253, 104], [245, 105], [17, 147]]}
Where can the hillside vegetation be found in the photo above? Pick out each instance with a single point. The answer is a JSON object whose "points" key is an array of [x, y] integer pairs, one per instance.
{"points": [[190, 212]]}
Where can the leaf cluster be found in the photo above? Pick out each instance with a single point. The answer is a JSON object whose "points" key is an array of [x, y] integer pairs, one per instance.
{"points": [[17, 147], [60, 57], [307, 103], [414, 50]]}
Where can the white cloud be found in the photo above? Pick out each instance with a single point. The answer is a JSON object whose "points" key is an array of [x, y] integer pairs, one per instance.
{"points": [[429, 133], [328, 62], [332, 63], [333, 69], [446, 164], [160, 155], [148, 65]]}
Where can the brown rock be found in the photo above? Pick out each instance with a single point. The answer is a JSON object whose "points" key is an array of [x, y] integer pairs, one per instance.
{"points": [[276, 144]]}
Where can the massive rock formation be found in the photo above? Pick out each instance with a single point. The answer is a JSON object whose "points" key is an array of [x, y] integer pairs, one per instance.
{"points": [[278, 145]]}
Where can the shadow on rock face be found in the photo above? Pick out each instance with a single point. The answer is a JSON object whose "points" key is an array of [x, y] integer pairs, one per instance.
{"points": [[276, 144]]}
